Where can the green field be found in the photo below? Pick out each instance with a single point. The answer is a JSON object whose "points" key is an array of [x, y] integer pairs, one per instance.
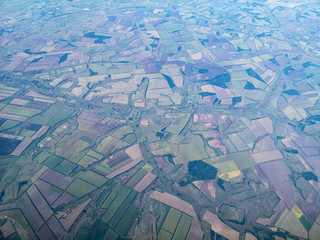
{"points": [[233, 161], [8, 124], [307, 225], [99, 230], [178, 125], [315, 229], [42, 157], [176, 225], [184, 153], [21, 111], [106, 192], [136, 177], [130, 138], [121, 132], [164, 235], [247, 136], [126, 221], [82, 233], [121, 211], [171, 221], [77, 158], [94, 155], [227, 166], [72, 145], [110, 144], [6, 89], [52, 161], [102, 168], [80, 188], [86, 161], [92, 177], [75, 146], [111, 196], [237, 141], [183, 227], [116, 203], [56, 113], [65, 167], [27, 133], [54, 189], [111, 235]]}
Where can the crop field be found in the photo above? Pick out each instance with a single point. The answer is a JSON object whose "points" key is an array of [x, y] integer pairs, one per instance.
{"points": [[175, 226], [178, 125], [171, 221], [119, 213], [138, 176], [121, 132], [71, 145], [92, 177], [53, 115], [178, 120], [50, 192], [21, 111], [65, 167], [80, 188], [7, 145], [86, 161], [8, 124], [109, 144], [53, 161], [183, 227], [102, 169], [164, 235], [42, 157], [184, 153], [17, 215], [94, 155]]}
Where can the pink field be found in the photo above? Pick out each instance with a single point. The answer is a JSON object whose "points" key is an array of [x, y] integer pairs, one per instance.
{"points": [[278, 211], [257, 129], [278, 175], [265, 144], [38, 95], [249, 236], [13, 117], [22, 146], [220, 227], [19, 101], [40, 132], [207, 187], [68, 220], [123, 168], [145, 182], [265, 151], [134, 152]]}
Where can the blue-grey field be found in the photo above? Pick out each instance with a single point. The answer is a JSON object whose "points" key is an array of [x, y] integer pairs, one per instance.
{"points": [[182, 119]]}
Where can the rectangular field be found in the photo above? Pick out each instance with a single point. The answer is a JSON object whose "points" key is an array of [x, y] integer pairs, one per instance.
{"points": [[20, 111], [80, 188]]}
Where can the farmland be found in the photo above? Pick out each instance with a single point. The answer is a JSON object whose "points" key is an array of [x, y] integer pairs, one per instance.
{"points": [[159, 119]]}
